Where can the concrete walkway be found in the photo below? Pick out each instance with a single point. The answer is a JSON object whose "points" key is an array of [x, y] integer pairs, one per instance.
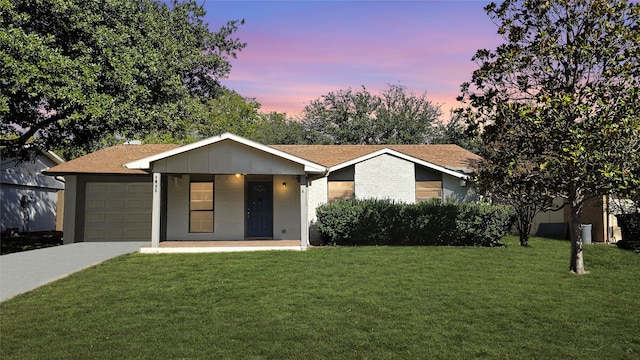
{"points": [[27, 270]]}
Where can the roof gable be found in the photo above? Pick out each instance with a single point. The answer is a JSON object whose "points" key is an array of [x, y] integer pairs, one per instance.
{"points": [[145, 163], [447, 156], [401, 156]]}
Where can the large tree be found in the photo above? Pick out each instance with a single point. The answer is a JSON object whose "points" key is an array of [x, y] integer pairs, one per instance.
{"points": [[74, 71], [396, 116], [454, 131], [565, 87], [229, 112], [510, 171], [277, 128]]}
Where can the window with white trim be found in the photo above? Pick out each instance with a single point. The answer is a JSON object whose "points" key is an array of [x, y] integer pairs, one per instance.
{"points": [[201, 206], [340, 185], [340, 190]]}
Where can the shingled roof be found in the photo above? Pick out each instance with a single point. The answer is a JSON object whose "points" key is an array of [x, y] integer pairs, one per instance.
{"points": [[112, 159], [449, 156]]}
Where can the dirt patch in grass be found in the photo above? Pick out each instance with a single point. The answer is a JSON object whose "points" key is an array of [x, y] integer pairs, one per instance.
{"points": [[16, 242]]}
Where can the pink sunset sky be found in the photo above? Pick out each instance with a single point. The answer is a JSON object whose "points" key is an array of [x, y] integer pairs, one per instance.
{"points": [[298, 51]]}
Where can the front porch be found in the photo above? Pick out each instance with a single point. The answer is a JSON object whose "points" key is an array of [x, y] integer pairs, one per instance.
{"points": [[176, 247], [220, 191]]}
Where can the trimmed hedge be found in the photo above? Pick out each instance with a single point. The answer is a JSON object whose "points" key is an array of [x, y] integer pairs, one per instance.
{"points": [[383, 222]]}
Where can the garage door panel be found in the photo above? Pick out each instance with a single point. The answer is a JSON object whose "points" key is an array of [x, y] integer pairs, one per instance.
{"points": [[138, 233], [118, 187], [101, 234], [95, 218], [142, 188], [136, 204], [115, 218], [137, 218], [95, 204], [97, 188], [115, 203], [118, 212]]}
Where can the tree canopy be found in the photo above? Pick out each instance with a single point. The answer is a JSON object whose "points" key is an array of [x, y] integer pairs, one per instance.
{"points": [[558, 103], [75, 71], [277, 128], [396, 116]]}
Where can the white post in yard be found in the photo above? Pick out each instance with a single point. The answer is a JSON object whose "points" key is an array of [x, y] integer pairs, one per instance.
{"points": [[304, 223], [155, 210]]}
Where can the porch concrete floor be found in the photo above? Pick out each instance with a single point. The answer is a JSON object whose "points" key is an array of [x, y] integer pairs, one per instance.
{"points": [[221, 246]]}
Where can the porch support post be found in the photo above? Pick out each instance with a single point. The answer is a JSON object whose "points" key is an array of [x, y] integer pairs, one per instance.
{"points": [[304, 211], [155, 210]]}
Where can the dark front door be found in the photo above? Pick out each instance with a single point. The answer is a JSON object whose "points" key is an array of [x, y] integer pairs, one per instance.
{"points": [[259, 209]]}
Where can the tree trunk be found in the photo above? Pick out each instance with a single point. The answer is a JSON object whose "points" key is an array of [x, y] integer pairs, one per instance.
{"points": [[524, 218], [524, 239], [576, 265]]}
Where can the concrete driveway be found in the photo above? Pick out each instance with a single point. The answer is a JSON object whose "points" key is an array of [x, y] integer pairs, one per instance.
{"points": [[27, 270]]}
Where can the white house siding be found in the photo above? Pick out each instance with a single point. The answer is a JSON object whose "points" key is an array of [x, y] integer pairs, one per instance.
{"points": [[40, 213], [453, 189], [286, 208], [386, 177], [317, 196], [27, 180]]}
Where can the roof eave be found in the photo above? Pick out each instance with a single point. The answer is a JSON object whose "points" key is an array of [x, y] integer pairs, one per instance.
{"points": [[54, 157], [402, 156], [145, 163]]}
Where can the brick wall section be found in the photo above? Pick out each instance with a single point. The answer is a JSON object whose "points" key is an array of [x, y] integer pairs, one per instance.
{"points": [[386, 177], [317, 196]]}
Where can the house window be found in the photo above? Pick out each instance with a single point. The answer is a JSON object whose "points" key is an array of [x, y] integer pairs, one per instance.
{"points": [[427, 190], [201, 207], [340, 190], [340, 184]]}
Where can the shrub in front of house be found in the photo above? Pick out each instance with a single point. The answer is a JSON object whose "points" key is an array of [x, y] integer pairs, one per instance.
{"points": [[482, 224], [383, 222]]}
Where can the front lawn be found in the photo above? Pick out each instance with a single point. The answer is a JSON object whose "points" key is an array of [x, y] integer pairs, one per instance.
{"points": [[337, 303]]}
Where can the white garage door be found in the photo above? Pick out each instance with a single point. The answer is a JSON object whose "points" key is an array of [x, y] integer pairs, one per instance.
{"points": [[118, 211]]}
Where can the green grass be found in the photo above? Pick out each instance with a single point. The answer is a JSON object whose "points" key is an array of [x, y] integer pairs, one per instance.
{"points": [[337, 303]]}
